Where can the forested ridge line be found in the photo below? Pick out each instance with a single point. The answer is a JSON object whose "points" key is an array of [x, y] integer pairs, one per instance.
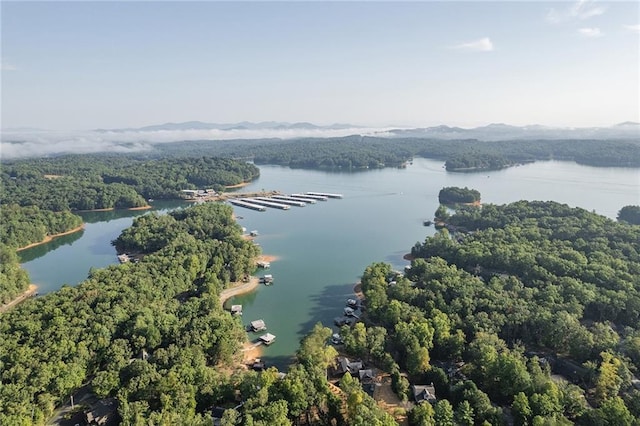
{"points": [[515, 292], [365, 152]]}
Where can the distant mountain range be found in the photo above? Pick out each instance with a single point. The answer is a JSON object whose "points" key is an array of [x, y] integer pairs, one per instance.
{"points": [[499, 131], [491, 132], [243, 125]]}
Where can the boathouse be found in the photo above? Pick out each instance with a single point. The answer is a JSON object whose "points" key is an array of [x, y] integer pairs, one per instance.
{"points": [[267, 338], [257, 325]]}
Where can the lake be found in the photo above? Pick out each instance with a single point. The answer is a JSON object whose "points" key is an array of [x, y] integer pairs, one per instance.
{"points": [[323, 248]]}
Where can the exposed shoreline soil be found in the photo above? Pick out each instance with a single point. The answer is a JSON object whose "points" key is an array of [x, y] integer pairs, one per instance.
{"points": [[49, 238], [31, 291]]}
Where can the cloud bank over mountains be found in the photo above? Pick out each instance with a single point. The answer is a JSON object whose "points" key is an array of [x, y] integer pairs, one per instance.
{"points": [[19, 143]]}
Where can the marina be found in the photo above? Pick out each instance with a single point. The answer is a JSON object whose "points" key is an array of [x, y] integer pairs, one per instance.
{"points": [[259, 202], [324, 194], [281, 201], [247, 205], [292, 198], [310, 197]]}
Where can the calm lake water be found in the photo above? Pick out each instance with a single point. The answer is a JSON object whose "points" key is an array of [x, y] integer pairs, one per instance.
{"points": [[323, 248]]}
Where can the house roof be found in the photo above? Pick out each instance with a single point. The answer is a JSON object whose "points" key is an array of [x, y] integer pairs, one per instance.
{"points": [[258, 324], [267, 337], [424, 392], [366, 375]]}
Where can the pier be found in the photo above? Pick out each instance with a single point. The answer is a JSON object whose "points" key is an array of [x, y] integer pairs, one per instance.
{"points": [[325, 194], [247, 205], [292, 198], [282, 201], [265, 203], [310, 197]]}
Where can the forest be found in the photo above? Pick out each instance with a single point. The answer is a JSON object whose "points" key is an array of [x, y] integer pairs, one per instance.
{"points": [[630, 214], [22, 226], [499, 301], [154, 336], [88, 182], [366, 152], [456, 195]]}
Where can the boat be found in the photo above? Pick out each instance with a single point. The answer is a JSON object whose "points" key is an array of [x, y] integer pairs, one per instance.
{"points": [[352, 303], [350, 312], [427, 223], [267, 279], [253, 233], [336, 339]]}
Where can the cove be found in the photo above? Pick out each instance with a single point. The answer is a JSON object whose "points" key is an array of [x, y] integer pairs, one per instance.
{"points": [[323, 248]]}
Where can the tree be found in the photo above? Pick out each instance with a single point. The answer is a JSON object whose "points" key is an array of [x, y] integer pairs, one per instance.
{"points": [[630, 214], [443, 413], [464, 414]]}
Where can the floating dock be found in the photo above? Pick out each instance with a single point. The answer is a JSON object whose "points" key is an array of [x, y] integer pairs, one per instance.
{"points": [[266, 203], [292, 198], [310, 197], [247, 205], [281, 201], [325, 194]]}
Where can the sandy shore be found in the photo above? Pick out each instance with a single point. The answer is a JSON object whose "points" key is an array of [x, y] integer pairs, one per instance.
{"points": [[31, 291], [239, 185], [140, 208], [251, 351], [51, 237], [241, 288], [267, 258]]}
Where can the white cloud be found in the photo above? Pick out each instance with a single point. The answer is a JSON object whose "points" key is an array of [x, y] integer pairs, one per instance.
{"points": [[28, 143], [580, 10], [590, 32], [632, 28], [481, 45]]}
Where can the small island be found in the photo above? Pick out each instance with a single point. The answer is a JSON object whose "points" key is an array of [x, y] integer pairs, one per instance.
{"points": [[455, 195]]}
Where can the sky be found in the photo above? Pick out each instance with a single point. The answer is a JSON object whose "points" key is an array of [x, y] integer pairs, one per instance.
{"points": [[87, 65]]}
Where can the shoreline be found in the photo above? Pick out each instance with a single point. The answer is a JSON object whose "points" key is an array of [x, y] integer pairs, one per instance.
{"points": [[237, 185], [50, 238], [237, 290], [147, 207], [29, 292]]}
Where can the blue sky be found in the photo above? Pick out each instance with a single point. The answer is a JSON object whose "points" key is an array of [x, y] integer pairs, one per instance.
{"points": [[84, 65]]}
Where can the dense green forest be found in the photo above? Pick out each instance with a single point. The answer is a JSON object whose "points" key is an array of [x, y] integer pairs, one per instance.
{"points": [[361, 152], [22, 226], [87, 182], [456, 195], [166, 304], [630, 214], [487, 315], [153, 335]]}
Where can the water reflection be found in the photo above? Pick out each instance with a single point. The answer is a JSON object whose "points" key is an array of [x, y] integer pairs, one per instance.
{"points": [[39, 251]]}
